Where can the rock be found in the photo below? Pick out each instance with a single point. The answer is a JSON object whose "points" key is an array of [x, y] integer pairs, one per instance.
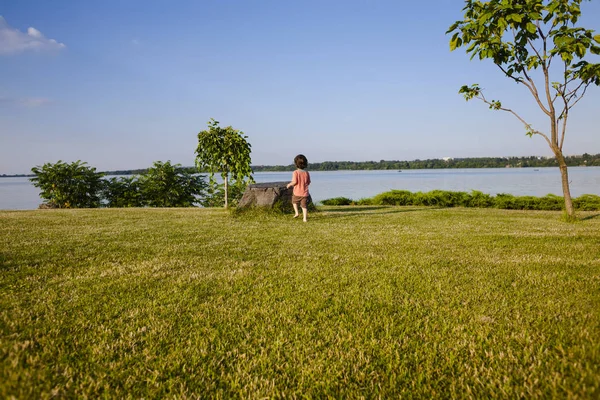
{"points": [[267, 195], [47, 206]]}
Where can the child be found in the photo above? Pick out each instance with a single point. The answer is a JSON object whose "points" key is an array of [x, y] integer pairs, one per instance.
{"points": [[300, 182]]}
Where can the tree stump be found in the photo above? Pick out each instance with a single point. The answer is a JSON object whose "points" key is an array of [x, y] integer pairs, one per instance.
{"points": [[271, 195]]}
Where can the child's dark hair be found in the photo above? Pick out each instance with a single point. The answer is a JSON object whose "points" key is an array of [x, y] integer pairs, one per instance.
{"points": [[301, 161]]}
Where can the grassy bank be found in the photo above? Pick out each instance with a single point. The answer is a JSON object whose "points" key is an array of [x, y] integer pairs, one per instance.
{"points": [[361, 301]]}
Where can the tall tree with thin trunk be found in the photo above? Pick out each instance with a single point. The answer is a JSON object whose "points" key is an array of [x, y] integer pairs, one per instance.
{"points": [[537, 44], [224, 150]]}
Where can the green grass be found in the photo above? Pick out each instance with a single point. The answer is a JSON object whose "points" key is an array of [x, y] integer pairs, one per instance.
{"points": [[359, 302]]}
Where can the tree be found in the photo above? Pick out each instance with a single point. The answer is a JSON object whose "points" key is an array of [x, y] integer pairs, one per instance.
{"points": [[527, 37], [166, 185], [227, 151], [73, 185]]}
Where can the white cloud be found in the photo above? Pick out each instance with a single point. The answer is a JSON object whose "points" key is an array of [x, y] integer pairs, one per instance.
{"points": [[13, 41], [31, 31], [34, 101], [29, 102]]}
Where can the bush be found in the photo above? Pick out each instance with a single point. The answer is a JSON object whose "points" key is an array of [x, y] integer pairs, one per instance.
{"points": [[365, 202], [550, 202], [122, 192], [505, 201], [65, 185], [443, 198], [76, 185], [587, 202], [394, 198], [337, 201], [480, 200], [166, 185], [526, 203], [440, 198]]}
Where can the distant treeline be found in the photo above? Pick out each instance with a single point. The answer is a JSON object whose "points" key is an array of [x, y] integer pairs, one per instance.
{"points": [[481, 162], [436, 163]]}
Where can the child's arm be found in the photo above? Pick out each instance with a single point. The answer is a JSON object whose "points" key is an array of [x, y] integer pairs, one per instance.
{"points": [[293, 182]]}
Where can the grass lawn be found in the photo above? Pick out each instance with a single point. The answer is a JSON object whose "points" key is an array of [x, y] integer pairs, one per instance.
{"points": [[359, 302]]}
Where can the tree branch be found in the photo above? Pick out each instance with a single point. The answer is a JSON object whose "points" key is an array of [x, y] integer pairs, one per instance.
{"points": [[564, 115], [518, 80], [573, 93], [481, 97], [536, 94], [552, 113], [537, 53], [533, 88], [537, 23], [581, 96]]}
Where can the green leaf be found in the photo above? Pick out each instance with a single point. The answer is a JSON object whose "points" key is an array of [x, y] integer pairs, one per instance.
{"points": [[580, 50], [453, 27], [597, 38], [529, 133], [485, 17], [531, 28], [454, 42], [502, 24], [535, 16], [516, 17], [453, 45]]}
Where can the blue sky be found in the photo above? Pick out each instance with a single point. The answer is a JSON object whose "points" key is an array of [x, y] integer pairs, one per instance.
{"points": [[120, 84]]}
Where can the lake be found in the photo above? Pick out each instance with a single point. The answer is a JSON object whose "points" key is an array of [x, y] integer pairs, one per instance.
{"points": [[20, 194]]}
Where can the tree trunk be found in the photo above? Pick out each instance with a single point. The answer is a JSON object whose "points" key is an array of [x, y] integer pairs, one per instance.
{"points": [[564, 174], [226, 190]]}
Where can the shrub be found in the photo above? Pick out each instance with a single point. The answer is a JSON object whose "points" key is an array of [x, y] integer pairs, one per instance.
{"points": [[394, 198], [337, 201], [73, 185], [587, 202], [526, 203], [479, 199], [419, 199], [505, 201], [441, 198], [365, 202], [444, 198], [166, 185], [122, 192], [550, 202]]}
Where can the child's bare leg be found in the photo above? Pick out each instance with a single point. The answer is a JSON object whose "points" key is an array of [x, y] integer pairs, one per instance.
{"points": [[304, 213], [295, 210]]}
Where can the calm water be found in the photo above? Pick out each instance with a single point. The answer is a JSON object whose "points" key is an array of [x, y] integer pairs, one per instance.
{"points": [[19, 194]]}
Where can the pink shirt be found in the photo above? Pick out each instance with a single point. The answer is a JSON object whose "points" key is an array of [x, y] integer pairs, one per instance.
{"points": [[301, 180]]}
